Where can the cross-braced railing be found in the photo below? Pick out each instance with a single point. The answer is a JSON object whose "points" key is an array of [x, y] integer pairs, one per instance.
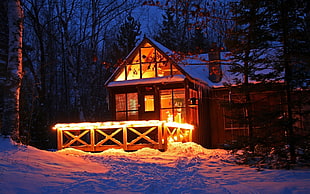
{"points": [[128, 135]]}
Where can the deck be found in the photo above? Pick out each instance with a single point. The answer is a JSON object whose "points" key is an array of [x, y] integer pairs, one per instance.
{"points": [[127, 135]]}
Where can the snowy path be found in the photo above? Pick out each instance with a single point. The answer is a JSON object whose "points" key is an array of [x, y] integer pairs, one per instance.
{"points": [[184, 168]]}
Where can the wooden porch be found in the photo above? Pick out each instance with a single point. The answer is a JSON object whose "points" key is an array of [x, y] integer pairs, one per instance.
{"points": [[127, 135]]}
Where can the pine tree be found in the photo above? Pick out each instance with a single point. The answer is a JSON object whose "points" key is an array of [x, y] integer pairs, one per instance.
{"points": [[198, 42], [279, 28], [291, 27], [247, 44], [128, 36], [168, 35]]}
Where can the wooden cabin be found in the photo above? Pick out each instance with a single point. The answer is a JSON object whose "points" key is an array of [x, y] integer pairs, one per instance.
{"points": [[155, 83]]}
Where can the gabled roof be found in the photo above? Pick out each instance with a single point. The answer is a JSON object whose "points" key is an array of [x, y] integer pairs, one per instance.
{"points": [[193, 67]]}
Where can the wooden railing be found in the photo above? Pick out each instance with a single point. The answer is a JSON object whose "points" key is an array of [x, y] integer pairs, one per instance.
{"points": [[127, 135]]}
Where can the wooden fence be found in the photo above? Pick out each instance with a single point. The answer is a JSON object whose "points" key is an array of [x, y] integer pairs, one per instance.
{"points": [[127, 135]]}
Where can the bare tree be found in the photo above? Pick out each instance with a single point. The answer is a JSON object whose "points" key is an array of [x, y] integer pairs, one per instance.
{"points": [[14, 70]]}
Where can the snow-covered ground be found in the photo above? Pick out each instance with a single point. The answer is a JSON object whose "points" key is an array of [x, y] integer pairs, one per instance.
{"points": [[183, 168]]}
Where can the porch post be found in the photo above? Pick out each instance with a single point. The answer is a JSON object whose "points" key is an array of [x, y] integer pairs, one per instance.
{"points": [[59, 139], [125, 138]]}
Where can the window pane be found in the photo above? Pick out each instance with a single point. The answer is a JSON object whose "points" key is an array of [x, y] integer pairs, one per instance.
{"points": [[132, 100], [121, 77], [179, 97], [193, 110], [133, 71], [132, 115], [159, 57], [147, 55], [166, 115], [163, 69], [148, 70], [166, 98], [136, 59], [147, 45], [149, 103], [120, 101], [179, 115]]}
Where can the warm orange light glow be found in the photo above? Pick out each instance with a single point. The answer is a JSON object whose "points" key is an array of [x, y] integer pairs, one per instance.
{"points": [[149, 103], [180, 125], [118, 124], [79, 126], [83, 135], [148, 63]]}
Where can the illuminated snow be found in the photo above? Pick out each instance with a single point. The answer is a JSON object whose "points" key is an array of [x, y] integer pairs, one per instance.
{"points": [[183, 168]]}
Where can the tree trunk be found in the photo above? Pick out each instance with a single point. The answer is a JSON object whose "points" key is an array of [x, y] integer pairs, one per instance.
{"points": [[14, 70], [287, 81]]}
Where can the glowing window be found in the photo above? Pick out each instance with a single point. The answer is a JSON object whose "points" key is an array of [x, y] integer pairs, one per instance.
{"points": [[147, 63], [133, 71], [148, 70], [163, 69], [193, 110], [147, 45], [132, 101], [126, 106], [147, 55], [179, 98], [166, 98], [149, 103], [136, 59], [172, 105], [120, 102], [121, 77], [160, 57]]}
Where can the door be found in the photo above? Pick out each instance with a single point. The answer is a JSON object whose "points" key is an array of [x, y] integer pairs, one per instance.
{"points": [[149, 104]]}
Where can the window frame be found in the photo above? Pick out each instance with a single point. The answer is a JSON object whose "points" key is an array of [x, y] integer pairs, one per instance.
{"points": [[128, 111]]}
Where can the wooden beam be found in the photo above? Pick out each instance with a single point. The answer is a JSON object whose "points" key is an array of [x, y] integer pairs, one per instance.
{"points": [[142, 135], [109, 137], [76, 138], [125, 138]]}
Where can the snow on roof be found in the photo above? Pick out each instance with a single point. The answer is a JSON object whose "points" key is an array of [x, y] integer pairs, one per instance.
{"points": [[167, 79], [197, 67], [162, 47], [201, 73]]}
